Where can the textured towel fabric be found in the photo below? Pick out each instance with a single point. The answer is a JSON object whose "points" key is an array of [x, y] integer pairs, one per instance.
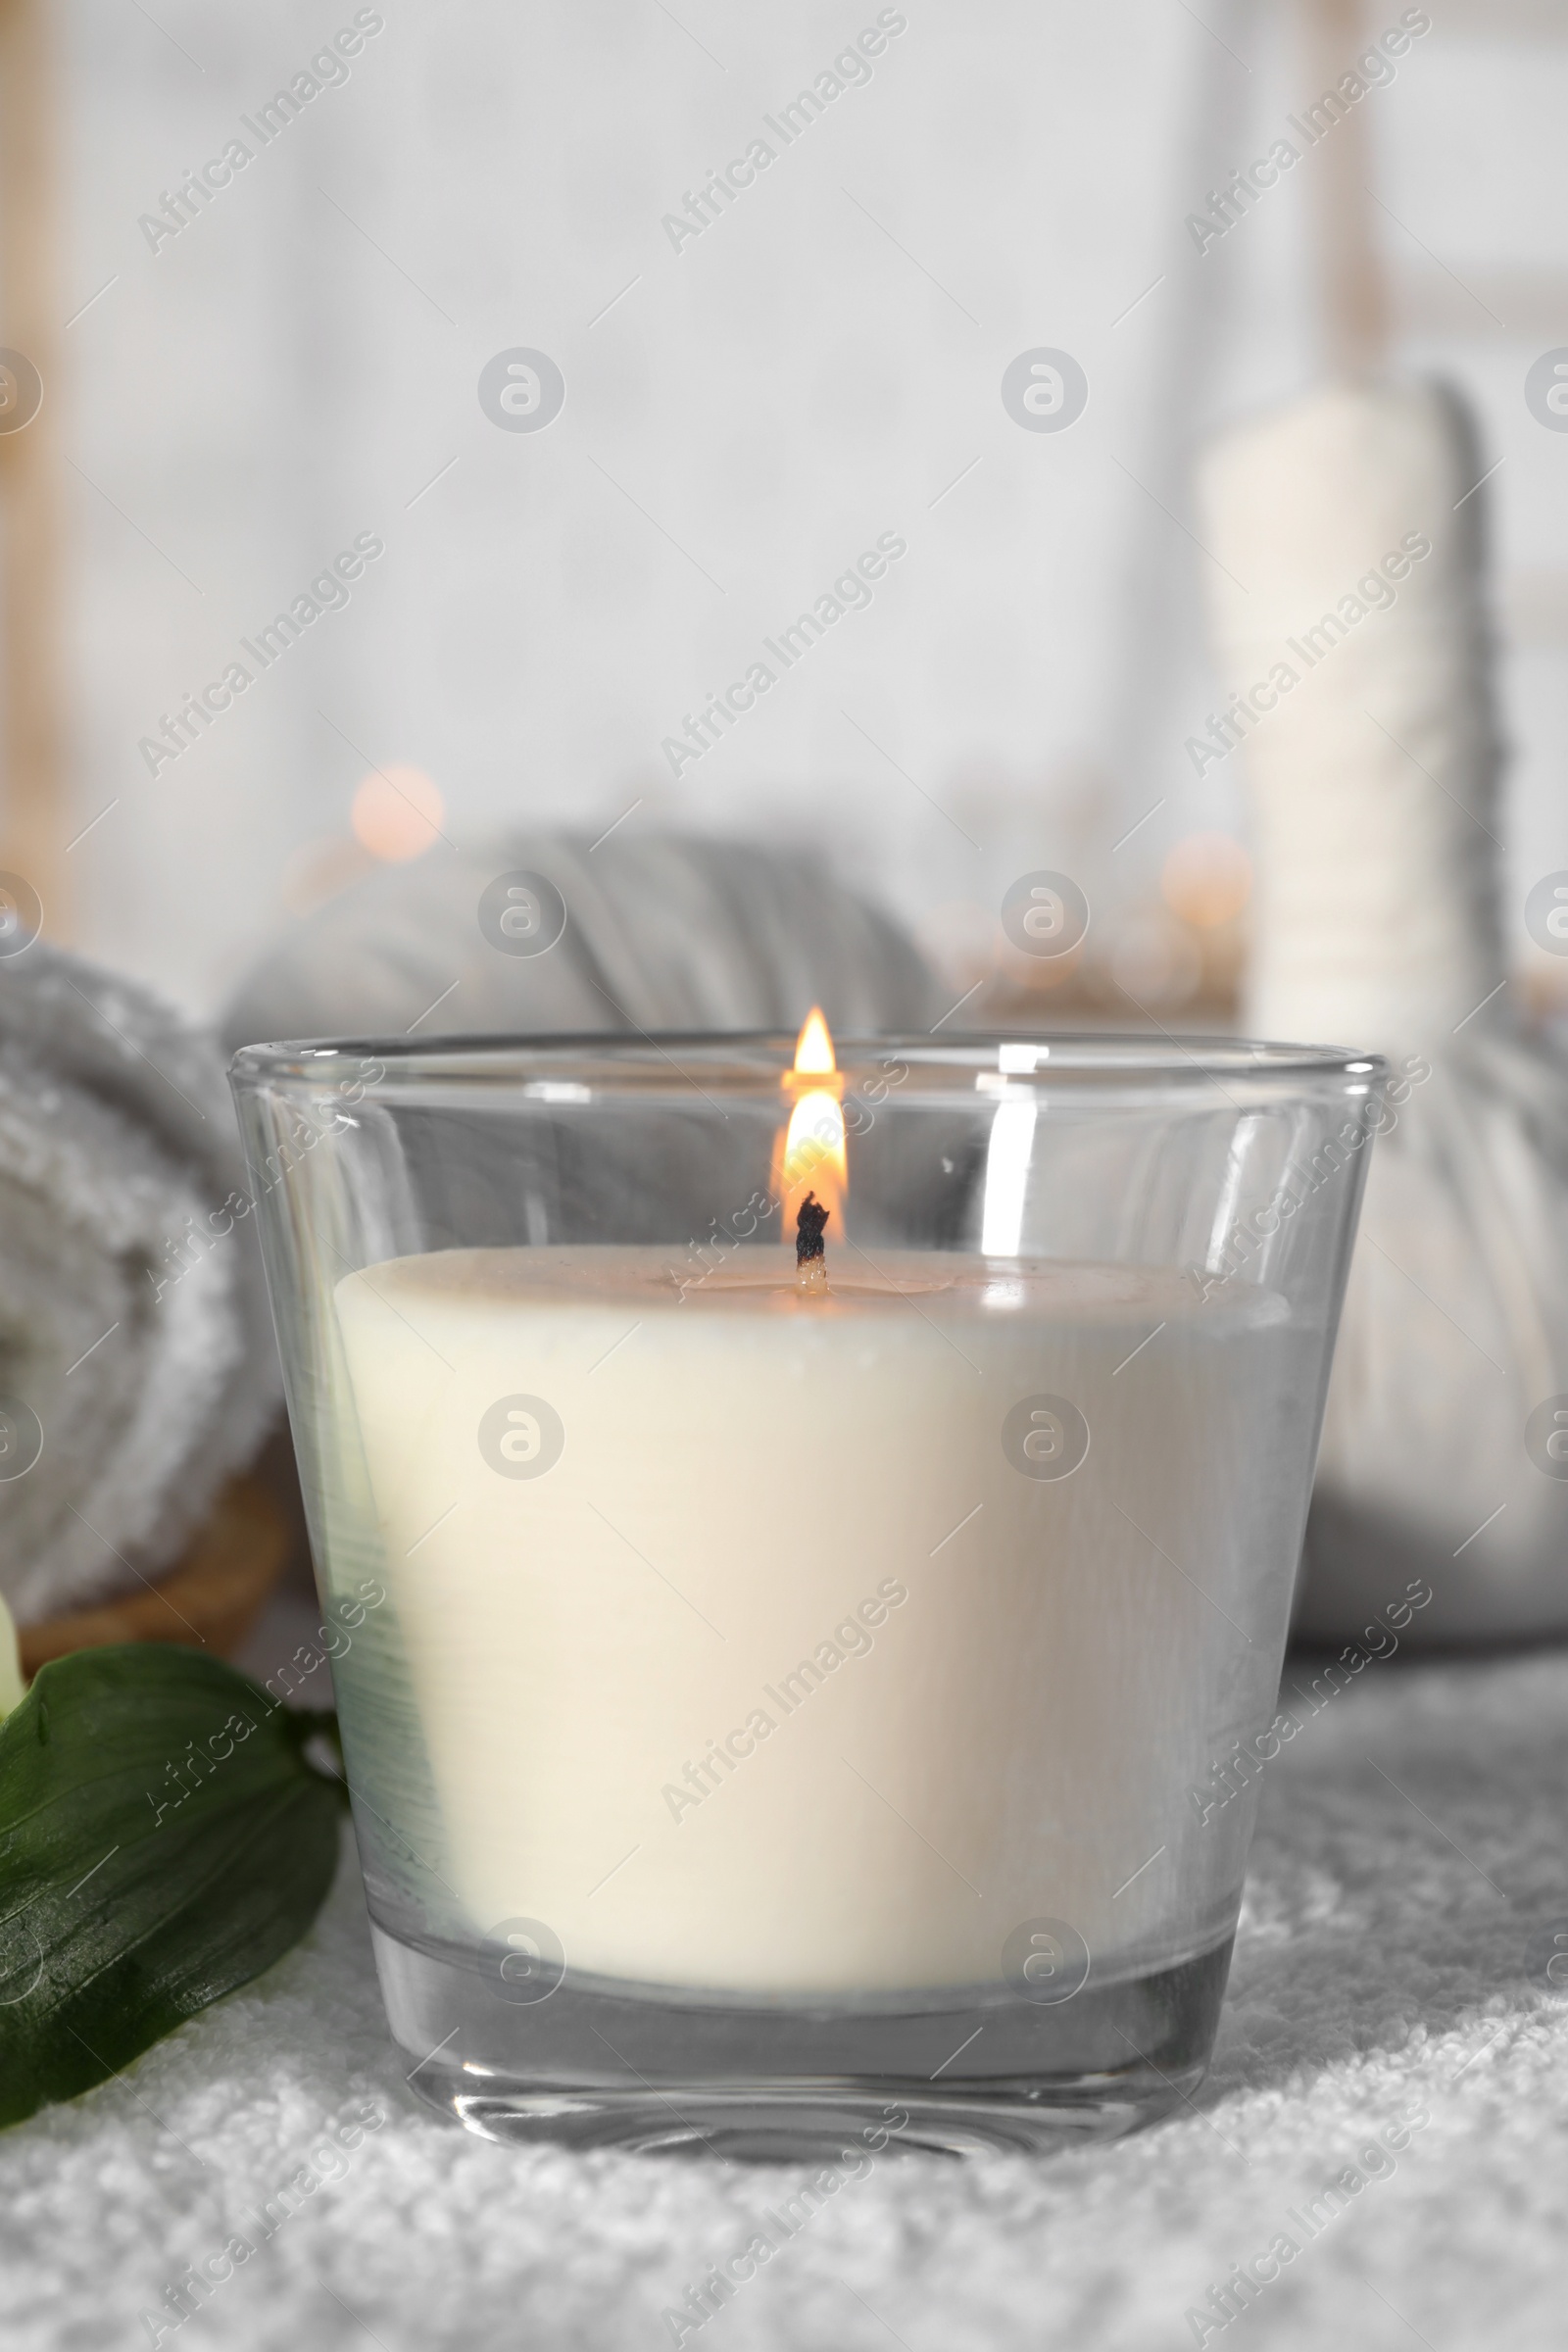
{"points": [[134, 1334], [657, 931], [1406, 1890]]}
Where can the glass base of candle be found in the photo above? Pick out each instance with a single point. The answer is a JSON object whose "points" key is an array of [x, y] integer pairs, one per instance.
{"points": [[600, 2063]]}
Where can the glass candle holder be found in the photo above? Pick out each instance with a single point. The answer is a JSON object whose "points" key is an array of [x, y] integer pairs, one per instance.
{"points": [[805, 1537]]}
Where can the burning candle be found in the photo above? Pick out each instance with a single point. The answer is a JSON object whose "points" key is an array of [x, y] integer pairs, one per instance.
{"points": [[851, 1627], [749, 1591]]}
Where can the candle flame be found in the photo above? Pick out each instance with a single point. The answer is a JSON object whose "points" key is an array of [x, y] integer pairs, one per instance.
{"points": [[810, 1156], [813, 1048]]}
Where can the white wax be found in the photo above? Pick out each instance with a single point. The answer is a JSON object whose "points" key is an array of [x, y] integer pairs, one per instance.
{"points": [[936, 1698]]}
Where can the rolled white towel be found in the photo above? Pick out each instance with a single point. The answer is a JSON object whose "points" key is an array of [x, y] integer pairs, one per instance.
{"points": [[655, 931], [1349, 530], [137, 1364]]}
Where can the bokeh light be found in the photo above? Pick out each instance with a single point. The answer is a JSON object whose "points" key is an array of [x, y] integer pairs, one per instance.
{"points": [[397, 813], [1207, 879]]}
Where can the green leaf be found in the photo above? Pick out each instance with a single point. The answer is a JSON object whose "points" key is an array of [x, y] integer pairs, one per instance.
{"points": [[163, 1838]]}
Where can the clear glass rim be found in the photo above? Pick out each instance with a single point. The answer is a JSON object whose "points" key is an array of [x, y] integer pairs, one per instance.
{"points": [[743, 1059]]}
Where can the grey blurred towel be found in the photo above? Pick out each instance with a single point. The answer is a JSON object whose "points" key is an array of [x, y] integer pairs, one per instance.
{"points": [[656, 931], [137, 1364]]}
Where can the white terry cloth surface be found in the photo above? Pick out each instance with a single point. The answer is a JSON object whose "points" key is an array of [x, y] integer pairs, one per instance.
{"points": [[1407, 1881], [664, 931], [134, 1322]]}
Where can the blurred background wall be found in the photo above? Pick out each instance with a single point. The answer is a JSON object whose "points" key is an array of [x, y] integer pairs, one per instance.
{"points": [[246, 378]]}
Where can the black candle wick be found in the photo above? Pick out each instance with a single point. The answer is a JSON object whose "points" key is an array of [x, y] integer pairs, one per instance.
{"points": [[809, 1224]]}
